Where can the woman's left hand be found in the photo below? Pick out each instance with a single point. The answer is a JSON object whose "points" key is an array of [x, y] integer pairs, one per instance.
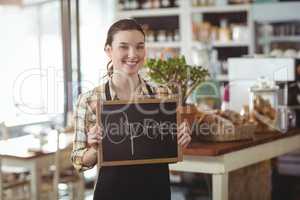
{"points": [[184, 134]]}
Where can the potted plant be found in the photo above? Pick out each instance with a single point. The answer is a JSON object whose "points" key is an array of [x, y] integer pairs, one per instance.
{"points": [[179, 77]]}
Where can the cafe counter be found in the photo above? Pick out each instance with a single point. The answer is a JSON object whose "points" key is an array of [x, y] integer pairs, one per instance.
{"points": [[241, 169]]}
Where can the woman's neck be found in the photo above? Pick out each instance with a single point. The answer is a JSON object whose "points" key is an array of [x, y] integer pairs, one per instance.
{"points": [[126, 83]]}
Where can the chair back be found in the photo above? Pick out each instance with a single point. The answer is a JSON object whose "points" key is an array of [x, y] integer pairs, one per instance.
{"points": [[1, 181], [4, 130]]}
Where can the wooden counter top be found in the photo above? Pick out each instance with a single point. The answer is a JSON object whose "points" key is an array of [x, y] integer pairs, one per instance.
{"points": [[219, 148]]}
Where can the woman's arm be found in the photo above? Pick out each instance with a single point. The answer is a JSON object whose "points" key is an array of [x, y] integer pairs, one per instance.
{"points": [[93, 138], [84, 154]]}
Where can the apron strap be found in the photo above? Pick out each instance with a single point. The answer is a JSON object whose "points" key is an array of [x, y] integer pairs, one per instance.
{"points": [[107, 92], [149, 89], [108, 96]]}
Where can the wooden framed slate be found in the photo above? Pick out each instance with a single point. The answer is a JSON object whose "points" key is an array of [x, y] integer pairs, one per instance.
{"points": [[143, 131]]}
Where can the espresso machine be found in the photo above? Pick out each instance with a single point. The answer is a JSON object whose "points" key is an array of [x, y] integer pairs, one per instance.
{"points": [[285, 72]]}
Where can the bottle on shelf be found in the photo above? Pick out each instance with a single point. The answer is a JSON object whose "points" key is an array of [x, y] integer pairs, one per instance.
{"points": [[215, 63], [176, 35], [161, 36], [225, 100], [150, 37], [155, 4], [224, 31], [165, 4], [169, 36]]}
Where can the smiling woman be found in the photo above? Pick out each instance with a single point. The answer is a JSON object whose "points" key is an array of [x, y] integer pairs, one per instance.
{"points": [[125, 47]]}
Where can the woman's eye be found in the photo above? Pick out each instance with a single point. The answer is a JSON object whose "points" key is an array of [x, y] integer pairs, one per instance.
{"points": [[124, 47], [141, 47]]}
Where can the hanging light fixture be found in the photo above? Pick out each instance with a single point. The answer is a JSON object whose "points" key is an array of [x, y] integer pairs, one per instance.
{"points": [[22, 2], [11, 2]]}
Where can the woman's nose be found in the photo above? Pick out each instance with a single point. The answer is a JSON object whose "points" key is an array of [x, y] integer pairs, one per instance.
{"points": [[132, 52]]}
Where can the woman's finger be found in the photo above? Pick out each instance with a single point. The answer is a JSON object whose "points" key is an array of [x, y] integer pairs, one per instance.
{"points": [[182, 138], [185, 141], [93, 129], [181, 129], [180, 134], [185, 134], [93, 141]]}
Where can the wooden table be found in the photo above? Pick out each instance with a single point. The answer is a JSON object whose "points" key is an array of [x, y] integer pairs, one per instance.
{"points": [[218, 159], [19, 152]]}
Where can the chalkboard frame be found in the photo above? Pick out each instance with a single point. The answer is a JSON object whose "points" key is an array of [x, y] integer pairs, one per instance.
{"points": [[102, 162]]}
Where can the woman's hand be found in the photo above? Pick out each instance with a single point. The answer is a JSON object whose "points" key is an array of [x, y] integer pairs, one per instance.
{"points": [[94, 136], [184, 134]]}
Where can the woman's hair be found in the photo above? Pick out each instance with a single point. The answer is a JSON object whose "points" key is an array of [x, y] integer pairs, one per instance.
{"points": [[121, 25]]}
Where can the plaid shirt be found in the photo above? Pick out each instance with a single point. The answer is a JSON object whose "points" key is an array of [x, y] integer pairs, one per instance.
{"points": [[85, 117]]}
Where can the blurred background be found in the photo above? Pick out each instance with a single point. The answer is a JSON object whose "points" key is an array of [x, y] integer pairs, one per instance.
{"points": [[52, 50]]}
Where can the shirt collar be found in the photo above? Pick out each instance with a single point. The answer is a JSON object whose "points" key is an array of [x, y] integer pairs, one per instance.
{"points": [[140, 90]]}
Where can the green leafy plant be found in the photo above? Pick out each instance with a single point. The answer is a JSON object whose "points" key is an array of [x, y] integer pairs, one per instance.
{"points": [[177, 75]]}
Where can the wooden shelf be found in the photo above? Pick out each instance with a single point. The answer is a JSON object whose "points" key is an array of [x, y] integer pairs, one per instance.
{"points": [[149, 12]]}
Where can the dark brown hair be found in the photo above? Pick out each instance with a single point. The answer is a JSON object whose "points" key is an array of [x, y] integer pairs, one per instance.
{"points": [[121, 25]]}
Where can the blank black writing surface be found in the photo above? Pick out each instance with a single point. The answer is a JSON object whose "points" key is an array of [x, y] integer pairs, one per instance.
{"points": [[139, 132]]}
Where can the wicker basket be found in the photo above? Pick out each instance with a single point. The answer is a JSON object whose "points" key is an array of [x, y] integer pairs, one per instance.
{"points": [[220, 129], [242, 132]]}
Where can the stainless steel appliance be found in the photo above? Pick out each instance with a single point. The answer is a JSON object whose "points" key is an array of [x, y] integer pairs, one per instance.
{"points": [[244, 72]]}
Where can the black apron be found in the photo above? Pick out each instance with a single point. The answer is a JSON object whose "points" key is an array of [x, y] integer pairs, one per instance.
{"points": [[133, 182]]}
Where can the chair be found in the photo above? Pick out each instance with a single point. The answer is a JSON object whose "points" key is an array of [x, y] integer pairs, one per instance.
{"points": [[62, 172], [4, 131], [13, 186]]}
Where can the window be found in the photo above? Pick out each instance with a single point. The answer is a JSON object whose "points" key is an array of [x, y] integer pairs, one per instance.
{"points": [[96, 17], [31, 78]]}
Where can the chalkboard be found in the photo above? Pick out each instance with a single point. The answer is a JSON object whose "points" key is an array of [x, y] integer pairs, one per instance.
{"points": [[140, 132]]}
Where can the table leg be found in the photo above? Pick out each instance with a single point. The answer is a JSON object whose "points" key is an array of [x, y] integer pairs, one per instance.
{"points": [[81, 187], [1, 183], [220, 186], [35, 181]]}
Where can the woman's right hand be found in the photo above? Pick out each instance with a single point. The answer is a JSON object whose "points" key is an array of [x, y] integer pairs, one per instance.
{"points": [[94, 136]]}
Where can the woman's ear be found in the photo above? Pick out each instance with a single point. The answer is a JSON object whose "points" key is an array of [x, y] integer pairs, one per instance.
{"points": [[107, 50]]}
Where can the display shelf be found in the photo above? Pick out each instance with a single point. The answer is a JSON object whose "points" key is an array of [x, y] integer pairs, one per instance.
{"points": [[149, 12], [163, 44], [280, 39], [230, 44], [221, 9], [183, 14]]}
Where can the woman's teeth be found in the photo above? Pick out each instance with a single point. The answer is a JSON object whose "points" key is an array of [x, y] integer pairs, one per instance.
{"points": [[131, 64]]}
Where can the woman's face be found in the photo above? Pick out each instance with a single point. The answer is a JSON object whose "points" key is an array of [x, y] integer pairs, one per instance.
{"points": [[127, 51]]}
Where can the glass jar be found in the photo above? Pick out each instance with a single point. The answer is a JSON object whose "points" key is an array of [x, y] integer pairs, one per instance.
{"points": [[263, 103], [269, 96]]}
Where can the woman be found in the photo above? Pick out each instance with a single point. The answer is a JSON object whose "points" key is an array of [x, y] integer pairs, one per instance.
{"points": [[125, 46]]}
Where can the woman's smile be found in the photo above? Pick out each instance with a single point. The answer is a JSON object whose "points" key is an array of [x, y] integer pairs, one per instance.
{"points": [[131, 63]]}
